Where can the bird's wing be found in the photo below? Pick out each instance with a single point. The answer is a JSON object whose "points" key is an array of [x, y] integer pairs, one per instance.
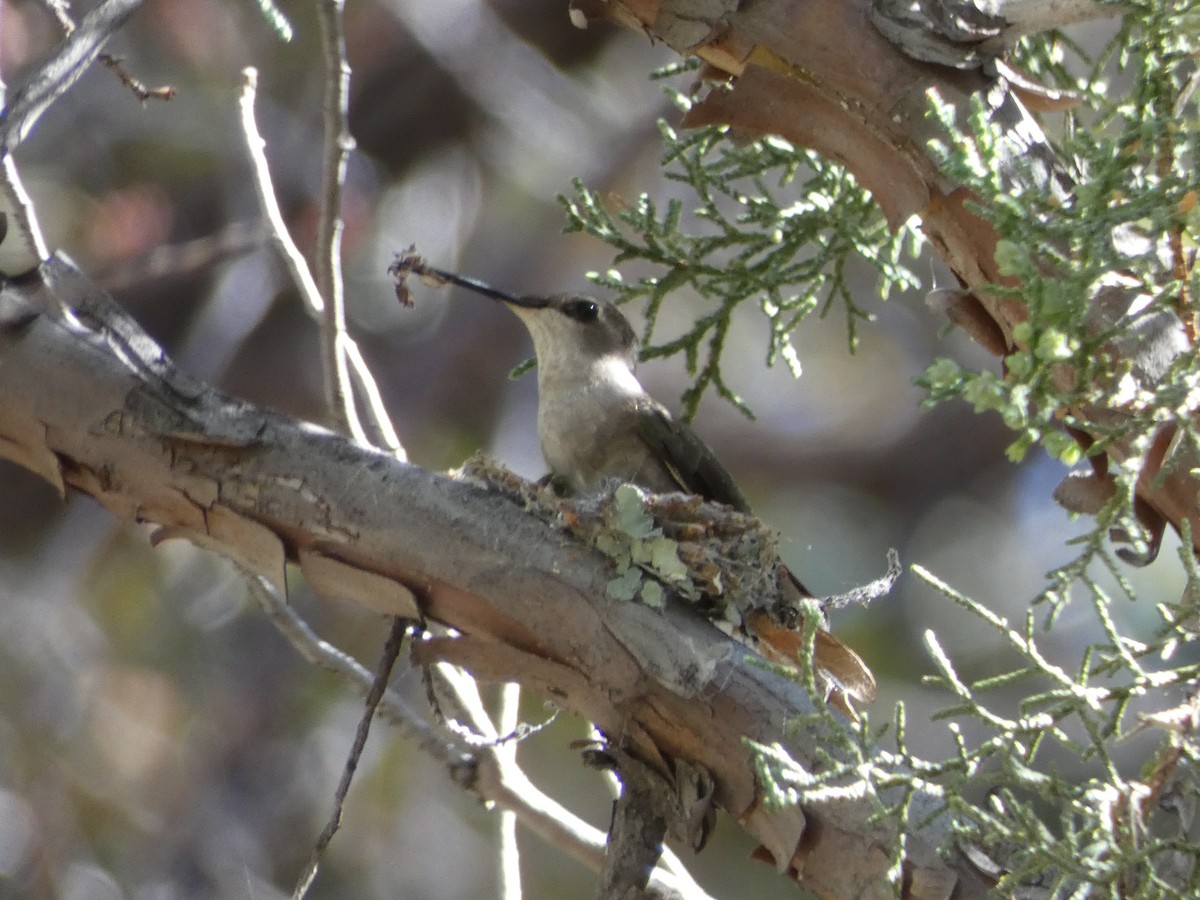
{"points": [[840, 669], [696, 470], [693, 466], [691, 463]]}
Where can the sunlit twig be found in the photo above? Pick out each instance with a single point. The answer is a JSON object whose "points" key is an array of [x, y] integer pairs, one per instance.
{"points": [[347, 378], [256, 146], [507, 718], [19, 209], [52, 79]]}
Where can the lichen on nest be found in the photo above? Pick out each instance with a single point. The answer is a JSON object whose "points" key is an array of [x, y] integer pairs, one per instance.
{"points": [[724, 562]]}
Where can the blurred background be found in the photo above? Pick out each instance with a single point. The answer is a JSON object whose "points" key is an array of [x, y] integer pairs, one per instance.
{"points": [[158, 739]]}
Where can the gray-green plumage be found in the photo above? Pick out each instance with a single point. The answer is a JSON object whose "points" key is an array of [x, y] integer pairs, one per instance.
{"points": [[597, 423]]}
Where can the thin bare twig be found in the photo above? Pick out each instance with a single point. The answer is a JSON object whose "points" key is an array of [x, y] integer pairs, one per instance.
{"points": [[507, 718], [25, 105], [477, 770], [54, 78], [292, 256], [509, 788], [391, 651], [20, 215], [468, 720], [345, 370], [337, 146], [394, 708], [385, 434], [62, 15], [256, 146], [669, 860], [140, 90], [498, 778]]}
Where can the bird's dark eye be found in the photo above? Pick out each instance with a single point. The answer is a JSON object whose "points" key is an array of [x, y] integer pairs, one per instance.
{"points": [[582, 310]]}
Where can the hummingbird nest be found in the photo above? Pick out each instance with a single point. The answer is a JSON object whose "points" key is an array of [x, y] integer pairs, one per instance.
{"points": [[723, 561]]}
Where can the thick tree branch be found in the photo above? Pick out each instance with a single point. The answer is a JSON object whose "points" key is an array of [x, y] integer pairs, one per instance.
{"points": [[92, 404]]}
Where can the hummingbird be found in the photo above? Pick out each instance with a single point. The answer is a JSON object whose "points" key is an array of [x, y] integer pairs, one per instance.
{"points": [[596, 423]]}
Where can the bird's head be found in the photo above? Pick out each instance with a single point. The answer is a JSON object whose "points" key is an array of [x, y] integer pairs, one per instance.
{"points": [[569, 331], [575, 330]]}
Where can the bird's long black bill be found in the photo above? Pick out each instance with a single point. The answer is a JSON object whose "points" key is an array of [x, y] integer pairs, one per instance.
{"points": [[411, 263]]}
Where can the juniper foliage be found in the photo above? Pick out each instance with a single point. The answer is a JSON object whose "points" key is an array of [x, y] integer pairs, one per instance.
{"points": [[775, 226]]}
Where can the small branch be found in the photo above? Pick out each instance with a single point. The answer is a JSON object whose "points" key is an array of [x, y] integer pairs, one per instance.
{"points": [[507, 718], [338, 144], [276, 19], [395, 709], [348, 365], [26, 104], [55, 77], [384, 433], [391, 650], [18, 210], [59, 10], [498, 778], [347, 378], [143, 93], [256, 146], [510, 789], [292, 256], [464, 702]]}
